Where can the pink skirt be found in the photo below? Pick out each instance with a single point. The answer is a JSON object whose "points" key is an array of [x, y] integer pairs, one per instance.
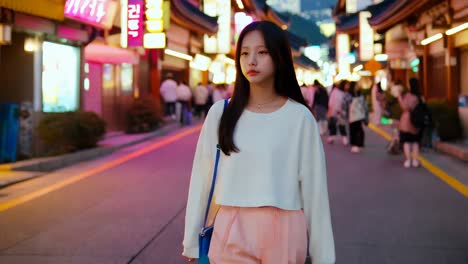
{"points": [[258, 235]]}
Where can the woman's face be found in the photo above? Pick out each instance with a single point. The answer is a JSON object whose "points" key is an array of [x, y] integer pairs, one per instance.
{"points": [[255, 60]]}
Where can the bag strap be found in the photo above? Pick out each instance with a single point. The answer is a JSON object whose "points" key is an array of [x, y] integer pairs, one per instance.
{"points": [[215, 172]]}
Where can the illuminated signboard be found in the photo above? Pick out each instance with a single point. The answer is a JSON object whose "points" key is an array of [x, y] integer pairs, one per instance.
{"points": [[366, 37], [221, 43], [343, 53], [99, 13], [135, 25], [154, 37]]}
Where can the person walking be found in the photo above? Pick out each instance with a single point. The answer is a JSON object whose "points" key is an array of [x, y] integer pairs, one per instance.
{"points": [[220, 93], [409, 134], [336, 117], [320, 106], [200, 98], [271, 186], [358, 117], [184, 96], [168, 93]]}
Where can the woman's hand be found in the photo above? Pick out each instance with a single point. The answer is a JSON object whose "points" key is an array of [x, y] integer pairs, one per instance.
{"points": [[189, 259]]}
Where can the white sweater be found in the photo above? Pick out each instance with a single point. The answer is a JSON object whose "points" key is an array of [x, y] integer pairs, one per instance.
{"points": [[281, 163]]}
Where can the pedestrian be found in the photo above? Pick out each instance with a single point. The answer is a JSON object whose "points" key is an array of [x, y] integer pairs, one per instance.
{"points": [[409, 134], [272, 185], [184, 96], [220, 92], [336, 117], [358, 117], [210, 88], [200, 98], [168, 94], [320, 106], [378, 97], [306, 93]]}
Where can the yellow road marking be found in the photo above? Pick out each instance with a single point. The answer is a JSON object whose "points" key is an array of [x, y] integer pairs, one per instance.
{"points": [[451, 181], [33, 195]]}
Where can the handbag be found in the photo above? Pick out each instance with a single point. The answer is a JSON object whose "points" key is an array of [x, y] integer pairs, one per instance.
{"points": [[204, 238]]}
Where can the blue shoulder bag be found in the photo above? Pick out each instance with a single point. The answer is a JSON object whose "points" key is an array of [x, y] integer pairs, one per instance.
{"points": [[204, 238]]}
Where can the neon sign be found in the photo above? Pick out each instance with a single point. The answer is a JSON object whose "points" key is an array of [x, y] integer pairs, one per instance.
{"points": [[99, 13], [135, 26], [155, 38]]}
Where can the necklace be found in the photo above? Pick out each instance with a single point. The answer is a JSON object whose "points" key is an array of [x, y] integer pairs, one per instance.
{"points": [[259, 106]]}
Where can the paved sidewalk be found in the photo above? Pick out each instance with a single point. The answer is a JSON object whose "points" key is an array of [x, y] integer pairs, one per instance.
{"points": [[451, 170], [16, 172]]}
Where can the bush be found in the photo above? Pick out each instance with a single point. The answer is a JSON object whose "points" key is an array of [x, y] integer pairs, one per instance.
{"points": [[142, 116], [446, 120], [71, 131]]}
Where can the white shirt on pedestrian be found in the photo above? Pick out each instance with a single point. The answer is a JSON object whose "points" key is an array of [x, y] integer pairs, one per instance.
{"points": [[335, 101], [200, 95], [219, 94], [281, 163], [183, 92], [168, 90]]}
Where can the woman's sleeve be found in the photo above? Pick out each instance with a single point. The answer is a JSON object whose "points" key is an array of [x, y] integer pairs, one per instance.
{"points": [[200, 183], [313, 177]]}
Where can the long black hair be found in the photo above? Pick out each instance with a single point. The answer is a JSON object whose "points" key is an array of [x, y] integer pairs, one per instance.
{"points": [[285, 82], [414, 86]]}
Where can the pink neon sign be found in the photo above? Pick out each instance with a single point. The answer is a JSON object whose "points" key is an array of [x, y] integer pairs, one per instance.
{"points": [[99, 13], [135, 11]]}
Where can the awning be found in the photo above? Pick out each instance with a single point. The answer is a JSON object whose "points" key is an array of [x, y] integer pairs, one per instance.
{"points": [[295, 41], [348, 23], [53, 9], [391, 12], [102, 53], [188, 15], [306, 62]]}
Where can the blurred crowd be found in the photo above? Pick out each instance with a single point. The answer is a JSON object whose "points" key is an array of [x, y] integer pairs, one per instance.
{"points": [[183, 102], [341, 111]]}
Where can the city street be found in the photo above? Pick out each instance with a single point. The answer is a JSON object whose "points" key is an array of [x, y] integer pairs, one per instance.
{"points": [[129, 207]]}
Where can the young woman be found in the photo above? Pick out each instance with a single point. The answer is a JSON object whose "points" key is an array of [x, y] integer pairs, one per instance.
{"points": [[357, 118], [409, 134], [336, 116], [272, 185]]}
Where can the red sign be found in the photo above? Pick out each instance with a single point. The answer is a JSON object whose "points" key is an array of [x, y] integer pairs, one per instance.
{"points": [[135, 9], [99, 13]]}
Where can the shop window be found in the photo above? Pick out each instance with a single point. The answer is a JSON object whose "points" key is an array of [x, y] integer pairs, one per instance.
{"points": [[127, 78], [60, 77]]}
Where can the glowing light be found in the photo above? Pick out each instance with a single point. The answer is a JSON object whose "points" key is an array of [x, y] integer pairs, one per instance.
{"points": [[86, 84], [431, 39], [381, 57], [365, 73], [98, 13], [31, 44], [358, 68], [366, 37], [240, 4], [154, 40], [457, 29], [178, 54], [200, 62]]}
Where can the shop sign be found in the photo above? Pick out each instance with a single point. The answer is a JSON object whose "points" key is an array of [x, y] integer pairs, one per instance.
{"points": [[342, 52], [366, 37], [135, 23], [154, 38], [99, 13], [221, 43]]}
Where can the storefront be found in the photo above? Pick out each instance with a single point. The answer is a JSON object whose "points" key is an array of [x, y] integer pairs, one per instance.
{"points": [[184, 55], [40, 66], [110, 75]]}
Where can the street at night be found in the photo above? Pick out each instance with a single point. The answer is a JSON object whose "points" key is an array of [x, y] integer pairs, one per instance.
{"points": [[191, 131], [132, 210]]}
